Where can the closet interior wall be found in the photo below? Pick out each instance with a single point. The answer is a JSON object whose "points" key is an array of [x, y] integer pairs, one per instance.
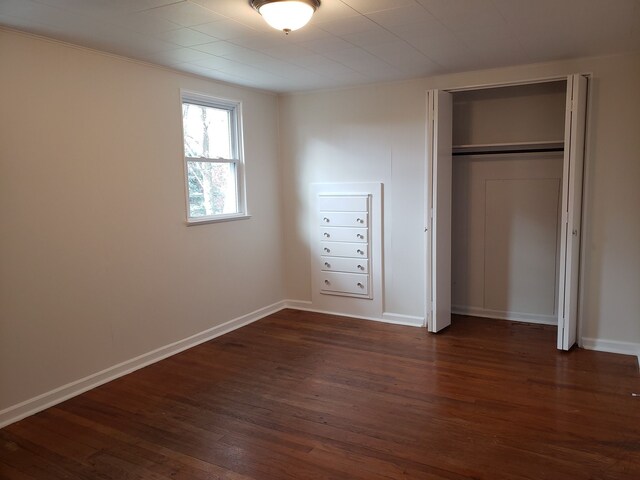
{"points": [[506, 206]]}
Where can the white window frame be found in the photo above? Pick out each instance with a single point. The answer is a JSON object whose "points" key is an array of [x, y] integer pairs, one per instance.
{"points": [[235, 109]]}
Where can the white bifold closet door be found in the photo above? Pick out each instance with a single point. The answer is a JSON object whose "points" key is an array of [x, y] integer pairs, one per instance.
{"points": [[439, 173], [575, 119], [438, 210]]}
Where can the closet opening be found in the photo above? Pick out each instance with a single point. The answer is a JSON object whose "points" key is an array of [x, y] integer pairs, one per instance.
{"points": [[505, 171], [508, 146]]}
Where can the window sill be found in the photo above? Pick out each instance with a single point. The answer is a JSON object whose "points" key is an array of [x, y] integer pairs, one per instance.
{"points": [[221, 218]]}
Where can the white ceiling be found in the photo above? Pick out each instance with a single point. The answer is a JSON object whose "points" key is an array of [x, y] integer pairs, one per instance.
{"points": [[347, 42]]}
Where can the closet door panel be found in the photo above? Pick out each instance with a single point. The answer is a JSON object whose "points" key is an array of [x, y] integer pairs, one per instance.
{"points": [[439, 136], [575, 125]]}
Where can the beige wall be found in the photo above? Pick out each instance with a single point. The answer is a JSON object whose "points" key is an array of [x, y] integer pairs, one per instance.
{"points": [[96, 263], [368, 134], [523, 113], [376, 133]]}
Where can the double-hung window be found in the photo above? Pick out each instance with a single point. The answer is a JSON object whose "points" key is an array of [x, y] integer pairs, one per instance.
{"points": [[213, 163]]}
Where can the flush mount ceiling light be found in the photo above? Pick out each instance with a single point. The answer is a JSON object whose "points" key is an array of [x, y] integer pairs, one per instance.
{"points": [[286, 15]]}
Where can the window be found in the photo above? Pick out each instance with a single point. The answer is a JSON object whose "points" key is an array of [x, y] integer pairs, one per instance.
{"points": [[214, 169]]}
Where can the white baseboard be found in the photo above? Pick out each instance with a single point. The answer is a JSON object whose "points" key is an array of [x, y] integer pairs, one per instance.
{"points": [[513, 316], [611, 346], [386, 317], [304, 305], [60, 394], [400, 319]]}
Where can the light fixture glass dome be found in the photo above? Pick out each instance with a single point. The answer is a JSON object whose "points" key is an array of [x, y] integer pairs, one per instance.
{"points": [[287, 15]]}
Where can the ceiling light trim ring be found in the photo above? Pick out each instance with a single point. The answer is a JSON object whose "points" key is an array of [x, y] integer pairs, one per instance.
{"points": [[315, 4]]}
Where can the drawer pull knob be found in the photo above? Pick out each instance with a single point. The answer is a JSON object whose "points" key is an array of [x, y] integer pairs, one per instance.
{"points": [[360, 285], [359, 220], [359, 235], [327, 282], [360, 267], [326, 264], [360, 252], [326, 220], [326, 249], [326, 234]]}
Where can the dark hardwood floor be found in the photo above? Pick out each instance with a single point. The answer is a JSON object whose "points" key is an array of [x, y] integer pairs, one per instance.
{"points": [[307, 396]]}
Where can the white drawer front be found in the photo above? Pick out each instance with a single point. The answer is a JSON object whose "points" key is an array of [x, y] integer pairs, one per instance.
{"points": [[343, 249], [344, 234], [344, 283], [342, 264], [343, 203], [344, 219]]}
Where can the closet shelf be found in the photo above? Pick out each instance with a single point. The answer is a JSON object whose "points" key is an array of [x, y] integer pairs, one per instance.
{"points": [[520, 147]]}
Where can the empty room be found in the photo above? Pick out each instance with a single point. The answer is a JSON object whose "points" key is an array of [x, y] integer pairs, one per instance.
{"points": [[320, 239]]}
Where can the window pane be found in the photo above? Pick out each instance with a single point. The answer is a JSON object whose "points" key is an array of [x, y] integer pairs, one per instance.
{"points": [[207, 131], [212, 188]]}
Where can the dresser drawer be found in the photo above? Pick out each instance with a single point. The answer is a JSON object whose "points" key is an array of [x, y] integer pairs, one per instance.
{"points": [[342, 264], [343, 249], [351, 283], [343, 203], [344, 234], [344, 219]]}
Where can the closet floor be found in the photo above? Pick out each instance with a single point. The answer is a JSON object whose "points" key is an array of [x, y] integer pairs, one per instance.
{"points": [[302, 395]]}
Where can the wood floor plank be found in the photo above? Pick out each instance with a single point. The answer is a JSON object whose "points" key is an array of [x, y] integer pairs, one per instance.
{"points": [[160, 459], [301, 395]]}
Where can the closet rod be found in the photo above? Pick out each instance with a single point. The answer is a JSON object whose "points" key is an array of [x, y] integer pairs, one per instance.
{"points": [[500, 152], [498, 148]]}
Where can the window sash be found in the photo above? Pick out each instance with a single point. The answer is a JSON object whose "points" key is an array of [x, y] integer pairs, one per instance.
{"points": [[212, 160], [238, 206], [230, 107]]}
